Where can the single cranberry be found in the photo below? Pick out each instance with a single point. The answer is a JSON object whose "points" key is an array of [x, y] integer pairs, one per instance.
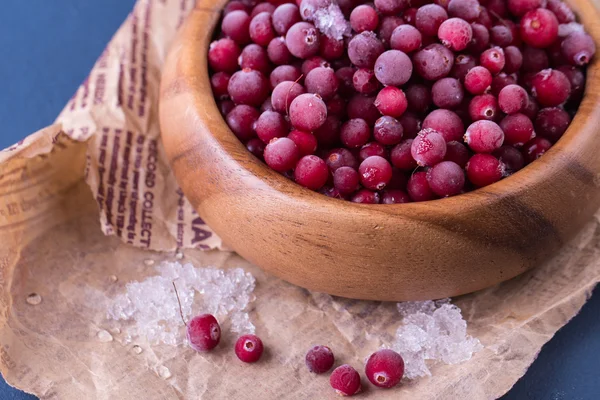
{"points": [[261, 30], [512, 99], [501, 35], [241, 120], [307, 112], [360, 106], [219, 82], [236, 25], [283, 73], [483, 107], [388, 130], [484, 136], [319, 359], [463, 63], [386, 28], [418, 189], [249, 348], [302, 40], [550, 87], [480, 40], [428, 148], [391, 101], [311, 172], [513, 59], [345, 380], [539, 28], [373, 149], [484, 169], [364, 48], [406, 38], [457, 153], [284, 17], [385, 367], [281, 154], [468, 10], [364, 18], [477, 80], [271, 125], [330, 48], [305, 141], [447, 93], [322, 81], [455, 33], [223, 55], [493, 59], [393, 68], [433, 62], [249, 87], [395, 197], [278, 52], [366, 196], [256, 57], [203, 332], [446, 179], [429, 18], [364, 81], [355, 133], [535, 148], [418, 97], [346, 180], [375, 172], [517, 128], [284, 94], [578, 48], [511, 158], [446, 122]]}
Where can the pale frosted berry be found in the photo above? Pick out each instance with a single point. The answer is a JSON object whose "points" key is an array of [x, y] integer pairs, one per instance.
{"points": [[391, 101], [249, 348], [364, 48], [477, 80], [433, 62], [393, 68], [249, 87], [284, 94], [355, 133], [302, 40], [390, 7], [429, 18], [428, 148], [388, 130], [203, 332], [223, 55], [375, 172], [319, 359], [364, 18], [311, 172], [256, 57], [345, 380], [468, 10], [484, 169], [512, 99], [446, 122], [518, 129], [346, 180], [284, 17], [236, 25], [283, 73], [261, 30], [321, 81], [386, 28], [364, 81], [484, 136], [278, 52], [446, 179], [578, 48], [447, 93], [539, 28], [271, 125], [281, 154], [307, 112], [262, 7], [455, 33], [406, 38]]}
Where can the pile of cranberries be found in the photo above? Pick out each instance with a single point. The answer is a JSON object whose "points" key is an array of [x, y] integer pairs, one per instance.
{"points": [[422, 101]]}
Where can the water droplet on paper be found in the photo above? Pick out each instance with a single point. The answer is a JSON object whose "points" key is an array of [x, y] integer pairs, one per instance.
{"points": [[104, 336], [179, 255], [113, 278], [149, 262], [34, 299], [164, 372], [137, 349]]}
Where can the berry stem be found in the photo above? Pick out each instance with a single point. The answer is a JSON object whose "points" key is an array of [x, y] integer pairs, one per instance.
{"points": [[179, 301]]}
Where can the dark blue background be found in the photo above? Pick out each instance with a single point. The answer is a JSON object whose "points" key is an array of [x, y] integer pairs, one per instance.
{"points": [[48, 47]]}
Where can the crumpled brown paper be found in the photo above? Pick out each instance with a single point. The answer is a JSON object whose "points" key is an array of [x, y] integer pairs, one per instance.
{"points": [[52, 244]]}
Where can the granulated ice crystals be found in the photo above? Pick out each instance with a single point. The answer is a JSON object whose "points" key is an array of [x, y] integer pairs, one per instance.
{"points": [[152, 309]]}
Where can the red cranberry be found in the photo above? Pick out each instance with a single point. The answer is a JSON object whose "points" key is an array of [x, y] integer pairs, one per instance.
{"points": [[401, 156], [483, 107], [346, 180], [345, 380], [468, 10], [256, 147], [271, 125], [345, 77], [284, 17], [513, 59], [284, 73], [364, 48], [433, 62], [219, 82], [511, 158], [312, 63], [477, 80], [390, 7], [385, 368], [501, 35], [375, 172], [248, 87], [457, 153], [223, 55], [406, 38], [484, 169], [388, 131], [283, 95], [551, 123], [455, 33], [341, 157], [576, 77], [539, 28], [480, 40], [311, 172], [447, 93], [418, 189], [203, 333], [484, 136], [463, 63], [307, 112], [428, 148], [535, 148], [302, 40], [261, 29], [236, 25], [534, 59], [305, 141], [429, 18], [255, 57], [391, 101], [366, 196], [493, 59], [410, 16], [321, 81], [233, 6], [446, 179], [518, 8], [281, 154], [249, 348], [364, 81], [355, 133], [446, 122], [512, 99], [278, 52], [262, 7], [393, 68], [386, 28], [578, 48], [319, 359], [500, 81], [330, 49], [363, 107], [550, 87], [241, 121], [517, 128], [364, 18]]}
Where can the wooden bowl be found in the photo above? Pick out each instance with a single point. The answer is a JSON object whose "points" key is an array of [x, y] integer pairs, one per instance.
{"points": [[397, 252]]}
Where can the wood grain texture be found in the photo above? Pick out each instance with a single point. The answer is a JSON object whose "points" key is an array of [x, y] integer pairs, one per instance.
{"points": [[397, 252]]}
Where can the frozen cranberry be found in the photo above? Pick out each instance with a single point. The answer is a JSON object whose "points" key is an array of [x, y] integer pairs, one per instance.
{"points": [[223, 55], [249, 87], [501, 35], [551, 123], [219, 82], [561, 10], [355, 133], [446, 122], [390, 7], [513, 59], [364, 18], [284, 94], [386, 28], [305, 141], [406, 38], [363, 107], [550, 87], [394, 197], [468, 10], [261, 30], [283, 73], [578, 48], [255, 57], [391, 101], [278, 52], [271, 125], [311, 172], [433, 62], [531, 109], [418, 189], [364, 81], [446, 179], [517, 128], [203, 332], [364, 48], [455, 33], [518, 8], [393, 68], [319, 359], [372, 149], [539, 28], [321, 81], [236, 25], [225, 106], [535, 148], [477, 80], [346, 180], [241, 121], [366, 196], [410, 15], [330, 48], [484, 169], [428, 148], [511, 158], [307, 112], [281, 154], [302, 40], [512, 99], [249, 348], [262, 7], [480, 40], [401, 156], [500, 81], [345, 380], [463, 63], [256, 147], [284, 17], [375, 172], [388, 131], [483, 107], [457, 153], [447, 93], [233, 6], [429, 18], [312, 63], [493, 59], [576, 77], [484, 136], [341, 157]]}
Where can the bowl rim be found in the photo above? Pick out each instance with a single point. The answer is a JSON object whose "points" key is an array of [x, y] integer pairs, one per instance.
{"points": [[539, 170]]}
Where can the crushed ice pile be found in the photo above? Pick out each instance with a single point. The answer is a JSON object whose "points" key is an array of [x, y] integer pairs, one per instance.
{"points": [[327, 17], [152, 308], [432, 330]]}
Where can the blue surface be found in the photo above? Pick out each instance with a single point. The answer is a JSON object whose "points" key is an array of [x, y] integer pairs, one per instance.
{"points": [[49, 47]]}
